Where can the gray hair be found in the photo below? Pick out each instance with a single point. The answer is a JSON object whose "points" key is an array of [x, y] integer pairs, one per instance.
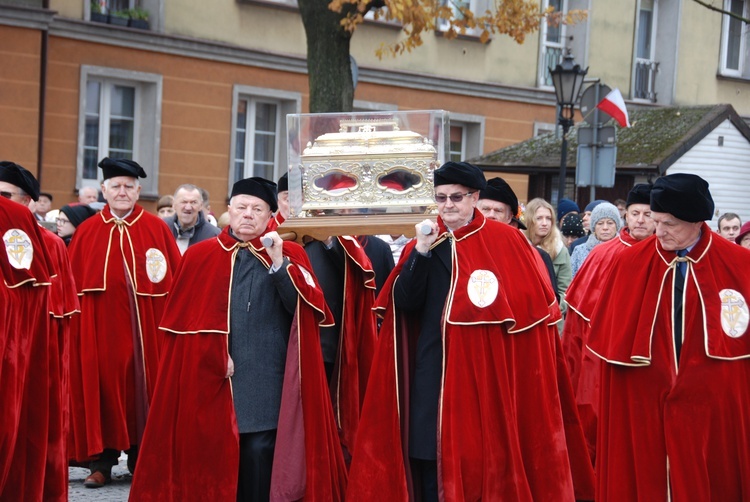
{"points": [[188, 187], [106, 182]]}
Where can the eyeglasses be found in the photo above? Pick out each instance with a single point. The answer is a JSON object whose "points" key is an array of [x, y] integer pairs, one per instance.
{"points": [[8, 195], [60, 221], [441, 198]]}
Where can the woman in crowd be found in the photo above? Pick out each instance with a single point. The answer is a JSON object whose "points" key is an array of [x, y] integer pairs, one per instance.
{"points": [[542, 232], [68, 219], [605, 223]]}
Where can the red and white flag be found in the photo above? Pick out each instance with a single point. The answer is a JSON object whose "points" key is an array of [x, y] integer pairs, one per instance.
{"points": [[614, 105]]}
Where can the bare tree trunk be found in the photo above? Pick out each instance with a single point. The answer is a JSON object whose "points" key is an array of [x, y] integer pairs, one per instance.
{"points": [[328, 63]]}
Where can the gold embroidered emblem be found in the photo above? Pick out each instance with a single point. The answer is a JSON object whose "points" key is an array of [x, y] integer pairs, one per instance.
{"points": [[734, 313], [156, 265], [19, 248], [482, 288]]}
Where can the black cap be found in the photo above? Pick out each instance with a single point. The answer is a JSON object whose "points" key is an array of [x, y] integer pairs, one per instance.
{"points": [[12, 173], [460, 173], [684, 196], [639, 194], [78, 213], [258, 187], [121, 167], [498, 189], [283, 185]]}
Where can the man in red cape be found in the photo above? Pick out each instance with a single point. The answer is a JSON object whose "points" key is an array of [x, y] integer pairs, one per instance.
{"points": [[583, 295], [41, 466], [490, 414], [674, 421], [346, 274], [123, 260], [192, 448], [26, 269]]}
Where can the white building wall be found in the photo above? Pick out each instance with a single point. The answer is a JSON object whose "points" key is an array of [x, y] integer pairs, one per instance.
{"points": [[723, 159]]}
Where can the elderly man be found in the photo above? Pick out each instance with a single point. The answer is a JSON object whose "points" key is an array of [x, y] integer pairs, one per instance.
{"points": [[188, 223], [480, 410], [729, 225], [87, 195], [583, 295], [246, 365], [672, 333], [123, 260], [43, 434]]}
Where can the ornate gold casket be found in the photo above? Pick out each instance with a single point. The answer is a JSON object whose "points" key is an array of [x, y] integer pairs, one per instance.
{"points": [[363, 173]]}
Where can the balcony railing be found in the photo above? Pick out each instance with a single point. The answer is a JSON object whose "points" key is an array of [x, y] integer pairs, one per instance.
{"points": [[552, 57], [645, 79]]}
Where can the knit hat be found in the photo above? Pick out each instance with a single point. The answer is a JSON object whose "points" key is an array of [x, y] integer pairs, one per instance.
{"points": [[605, 210], [572, 226], [78, 213], [566, 206], [592, 205]]}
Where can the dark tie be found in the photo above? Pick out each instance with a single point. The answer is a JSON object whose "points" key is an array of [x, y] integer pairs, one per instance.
{"points": [[679, 286]]}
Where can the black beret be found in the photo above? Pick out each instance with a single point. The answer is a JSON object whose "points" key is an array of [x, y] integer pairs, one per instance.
{"points": [[258, 187], [121, 167], [639, 194], [78, 213], [497, 189], [12, 173], [460, 173], [684, 196], [283, 185]]}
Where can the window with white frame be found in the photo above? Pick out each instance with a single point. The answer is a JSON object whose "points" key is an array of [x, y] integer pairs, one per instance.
{"points": [[735, 51], [259, 135], [119, 115], [541, 128], [646, 66], [466, 136], [553, 43], [476, 6]]}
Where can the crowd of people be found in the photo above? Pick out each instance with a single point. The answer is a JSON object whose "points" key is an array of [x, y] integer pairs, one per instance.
{"points": [[495, 353]]}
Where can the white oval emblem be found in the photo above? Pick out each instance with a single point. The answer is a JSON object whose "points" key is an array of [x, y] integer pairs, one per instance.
{"points": [[734, 313], [19, 248], [482, 288], [156, 265], [308, 276]]}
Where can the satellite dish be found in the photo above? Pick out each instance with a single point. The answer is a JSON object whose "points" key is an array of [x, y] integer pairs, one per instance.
{"points": [[589, 101]]}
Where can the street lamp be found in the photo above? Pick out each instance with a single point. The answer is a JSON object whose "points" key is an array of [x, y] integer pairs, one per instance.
{"points": [[567, 78]]}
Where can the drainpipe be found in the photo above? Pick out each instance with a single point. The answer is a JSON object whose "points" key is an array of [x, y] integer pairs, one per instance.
{"points": [[42, 96]]}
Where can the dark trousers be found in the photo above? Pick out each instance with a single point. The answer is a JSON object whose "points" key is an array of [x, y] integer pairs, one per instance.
{"points": [[424, 474], [256, 460], [104, 463]]}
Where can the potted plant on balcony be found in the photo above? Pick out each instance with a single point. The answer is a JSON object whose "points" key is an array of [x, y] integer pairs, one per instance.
{"points": [[138, 18], [118, 17], [96, 12]]}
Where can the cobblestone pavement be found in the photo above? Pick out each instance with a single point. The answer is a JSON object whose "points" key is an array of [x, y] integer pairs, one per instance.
{"points": [[117, 491]]}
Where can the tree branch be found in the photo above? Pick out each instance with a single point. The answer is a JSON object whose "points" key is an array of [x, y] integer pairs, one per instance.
{"points": [[722, 11]]}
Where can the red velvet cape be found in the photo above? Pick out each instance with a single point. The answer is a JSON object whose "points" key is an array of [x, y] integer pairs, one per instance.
{"points": [[582, 296], [356, 341], [689, 425], [123, 272], [23, 349], [503, 431], [190, 449]]}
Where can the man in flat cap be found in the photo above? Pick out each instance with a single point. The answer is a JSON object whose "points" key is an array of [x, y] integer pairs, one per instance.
{"points": [[463, 401], [241, 409], [671, 329], [123, 260], [583, 295]]}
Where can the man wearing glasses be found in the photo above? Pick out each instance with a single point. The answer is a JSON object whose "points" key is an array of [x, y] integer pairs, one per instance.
{"points": [[467, 362]]}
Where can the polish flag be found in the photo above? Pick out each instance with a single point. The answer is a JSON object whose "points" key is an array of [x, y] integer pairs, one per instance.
{"points": [[614, 105]]}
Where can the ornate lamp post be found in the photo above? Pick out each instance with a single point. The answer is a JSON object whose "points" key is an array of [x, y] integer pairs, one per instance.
{"points": [[567, 78]]}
